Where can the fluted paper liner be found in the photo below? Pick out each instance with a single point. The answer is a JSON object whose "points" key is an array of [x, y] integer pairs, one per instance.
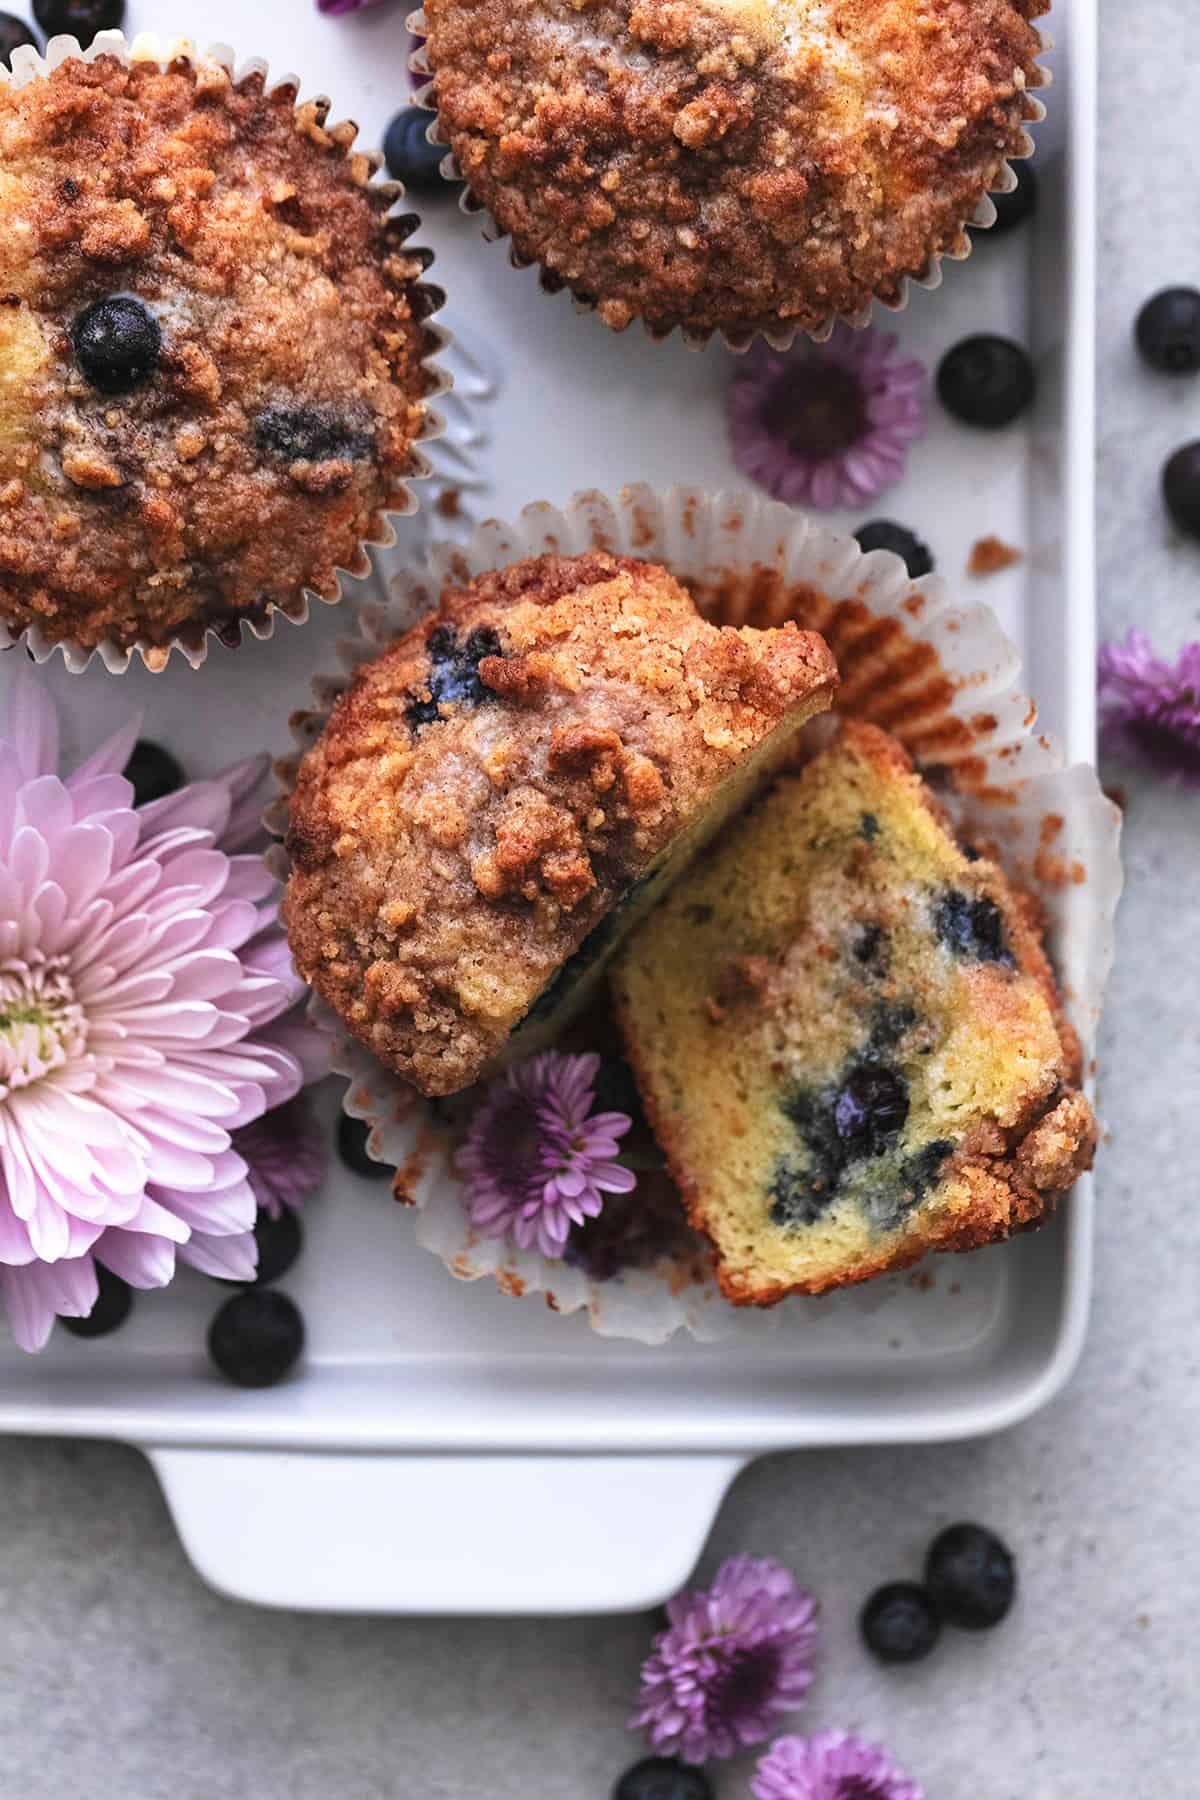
{"points": [[28, 65], [784, 335], [941, 677]]}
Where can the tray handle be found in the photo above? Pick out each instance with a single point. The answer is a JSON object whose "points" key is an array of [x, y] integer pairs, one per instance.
{"points": [[443, 1534]]}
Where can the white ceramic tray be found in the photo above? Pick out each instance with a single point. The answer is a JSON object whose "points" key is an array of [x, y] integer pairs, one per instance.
{"points": [[426, 1406]]}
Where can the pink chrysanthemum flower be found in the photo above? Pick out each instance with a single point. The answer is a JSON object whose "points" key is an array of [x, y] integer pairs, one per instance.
{"points": [[144, 983], [537, 1159], [830, 1766], [732, 1659], [1149, 710], [826, 425], [285, 1154]]}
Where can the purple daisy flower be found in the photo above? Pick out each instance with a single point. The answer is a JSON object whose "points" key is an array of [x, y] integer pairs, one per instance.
{"points": [[336, 8], [144, 988], [1149, 711], [537, 1160], [826, 425], [830, 1766], [285, 1155], [732, 1659]]}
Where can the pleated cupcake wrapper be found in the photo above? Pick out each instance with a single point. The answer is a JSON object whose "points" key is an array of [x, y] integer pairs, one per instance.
{"points": [[28, 65], [785, 335], [939, 676]]}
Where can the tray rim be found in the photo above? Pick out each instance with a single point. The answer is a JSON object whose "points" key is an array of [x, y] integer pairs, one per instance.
{"points": [[251, 1428]]}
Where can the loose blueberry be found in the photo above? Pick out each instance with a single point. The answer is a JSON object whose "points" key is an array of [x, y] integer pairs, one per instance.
{"points": [[868, 826], [117, 342], [13, 33], [81, 19], [310, 434], [454, 672], [114, 1303], [661, 1778], [1181, 488], [1018, 203], [869, 1110], [885, 534], [279, 1241], [987, 381], [352, 1137], [1168, 331], [153, 772], [899, 1623], [256, 1337], [972, 927], [409, 155], [971, 1576]]}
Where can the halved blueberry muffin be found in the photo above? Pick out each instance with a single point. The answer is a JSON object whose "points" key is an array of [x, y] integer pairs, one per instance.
{"points": [[498, 797], [211, 352], [848, 1037]]}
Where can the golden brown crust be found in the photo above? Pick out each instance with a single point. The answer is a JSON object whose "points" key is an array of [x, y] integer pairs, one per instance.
{"points": [[1021, 1132], [491, 786], [280, 422], [730, 164]]}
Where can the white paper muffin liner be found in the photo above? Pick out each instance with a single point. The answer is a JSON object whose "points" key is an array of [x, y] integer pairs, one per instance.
{"points": [[785, 335], [940, 676], [28, 65]]}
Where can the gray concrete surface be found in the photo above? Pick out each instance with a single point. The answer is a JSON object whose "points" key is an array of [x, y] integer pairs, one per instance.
{"points": [[123, 1678]]}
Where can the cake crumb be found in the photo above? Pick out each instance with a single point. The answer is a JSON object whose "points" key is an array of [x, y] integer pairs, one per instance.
{"points": [[991, 554]]}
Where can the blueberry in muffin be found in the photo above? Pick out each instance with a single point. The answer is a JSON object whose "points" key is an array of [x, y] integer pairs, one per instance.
{"points": [[498, 797], [733, 165], [211, 352], [847, 1035]]}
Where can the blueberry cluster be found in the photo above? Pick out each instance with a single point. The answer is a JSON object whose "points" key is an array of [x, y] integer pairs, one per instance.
{"points": [[970, 1582], [1167, 333], [453, 672]]}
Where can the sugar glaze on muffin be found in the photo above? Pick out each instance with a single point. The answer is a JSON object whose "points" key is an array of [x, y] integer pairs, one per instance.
{"points": [[847, 1035], [211, 351], [496, 799], [733, 164]]}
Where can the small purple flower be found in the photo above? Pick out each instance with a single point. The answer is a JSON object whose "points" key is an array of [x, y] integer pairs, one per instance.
{"points": [[537, 1160], [336, 8], [285, 1155], [1149, 711], [826, 425], [830, 1766], [732, 1659]]}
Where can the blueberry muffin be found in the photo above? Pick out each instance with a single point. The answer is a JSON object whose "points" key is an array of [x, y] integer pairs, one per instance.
{"points": [[497, 799], [847, 1035], [211, 349], [733, 165]]}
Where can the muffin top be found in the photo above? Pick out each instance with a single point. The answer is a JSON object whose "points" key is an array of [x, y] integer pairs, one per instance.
{"points": [[210, 351], [848, 1037], [733, 164], [488, 788]]}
